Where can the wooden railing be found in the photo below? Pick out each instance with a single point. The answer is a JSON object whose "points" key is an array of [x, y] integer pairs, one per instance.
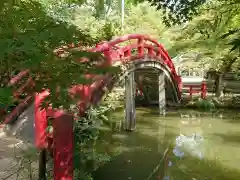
{"points": [[196, 89], [22, 85]]}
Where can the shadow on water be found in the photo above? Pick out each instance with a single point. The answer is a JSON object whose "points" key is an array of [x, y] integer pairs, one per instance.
{"points": [[135, 155], [139, 155]]}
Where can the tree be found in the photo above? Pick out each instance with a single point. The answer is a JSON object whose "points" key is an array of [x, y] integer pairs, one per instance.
{"points": [[214, 35], [29, 37], [31, 31], [178, 12]]}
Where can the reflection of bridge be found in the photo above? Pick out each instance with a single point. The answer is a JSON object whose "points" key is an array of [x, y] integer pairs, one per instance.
{"points": [[142, 58]]}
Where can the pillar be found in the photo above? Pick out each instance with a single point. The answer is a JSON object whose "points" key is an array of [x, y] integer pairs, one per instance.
{"points": [[63, 146], [203, 90], [40, 121], [130, 115], [162, 93]]}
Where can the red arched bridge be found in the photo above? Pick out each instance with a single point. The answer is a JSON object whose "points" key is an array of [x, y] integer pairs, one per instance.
{"points": [[141, 57]]}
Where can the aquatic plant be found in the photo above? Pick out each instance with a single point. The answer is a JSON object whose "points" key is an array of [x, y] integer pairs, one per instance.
{"points": [[205, 104]]}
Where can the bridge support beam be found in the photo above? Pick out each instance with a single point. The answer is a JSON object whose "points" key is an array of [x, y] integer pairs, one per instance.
{"points": [[162, 93], [130, 117]]}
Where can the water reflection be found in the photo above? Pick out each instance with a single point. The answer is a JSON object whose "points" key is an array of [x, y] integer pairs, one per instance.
{"points": [[180, 146], [192, 142]]}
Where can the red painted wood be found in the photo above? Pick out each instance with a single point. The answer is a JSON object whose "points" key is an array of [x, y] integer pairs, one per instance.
{"points": [[108, 56], [63, 146], [197, 88], [40, 121], [150, 51], [27, 85], [127, 53], [18, 77], [140, 46], [23, 103], [139, 92], [16, 111], [204, 90]]}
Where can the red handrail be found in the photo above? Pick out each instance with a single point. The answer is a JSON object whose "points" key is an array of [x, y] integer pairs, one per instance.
{"points": [[22, 103], [194, 89]]}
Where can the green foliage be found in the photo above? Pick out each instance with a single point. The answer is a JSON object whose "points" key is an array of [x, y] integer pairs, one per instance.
{"points": [[176, 11], [204, 104], [5, 96], [144, 19], [29, 36], [86, 131], [115, 96], [214, 35]]}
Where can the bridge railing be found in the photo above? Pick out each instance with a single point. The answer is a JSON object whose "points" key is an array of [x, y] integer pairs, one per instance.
{"points": [[196, 89], [22, 86]]}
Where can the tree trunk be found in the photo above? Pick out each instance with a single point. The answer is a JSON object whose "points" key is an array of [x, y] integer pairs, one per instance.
{"points": [[218, 85]]}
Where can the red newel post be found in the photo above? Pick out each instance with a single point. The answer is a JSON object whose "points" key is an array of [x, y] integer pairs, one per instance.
{"points": [[127, 53], [204, 90], [140, 47], [63, 146], [40, 120]]}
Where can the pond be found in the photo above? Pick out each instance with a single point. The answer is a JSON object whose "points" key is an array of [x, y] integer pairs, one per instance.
{"points": [[183, 145]]}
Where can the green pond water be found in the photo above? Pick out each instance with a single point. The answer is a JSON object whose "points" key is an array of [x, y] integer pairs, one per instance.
{"points": [[197, 146]]}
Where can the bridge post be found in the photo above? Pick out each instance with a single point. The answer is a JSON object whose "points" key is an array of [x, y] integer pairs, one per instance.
{"points": [[130, 118], [162, 93], [63, 141]]}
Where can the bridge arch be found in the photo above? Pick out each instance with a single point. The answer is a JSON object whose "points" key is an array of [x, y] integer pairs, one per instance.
{"points": [[158, 66], [147, 50], [130, 68]]}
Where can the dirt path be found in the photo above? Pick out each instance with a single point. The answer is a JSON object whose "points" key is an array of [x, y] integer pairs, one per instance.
{"points": [[17, 154]]}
